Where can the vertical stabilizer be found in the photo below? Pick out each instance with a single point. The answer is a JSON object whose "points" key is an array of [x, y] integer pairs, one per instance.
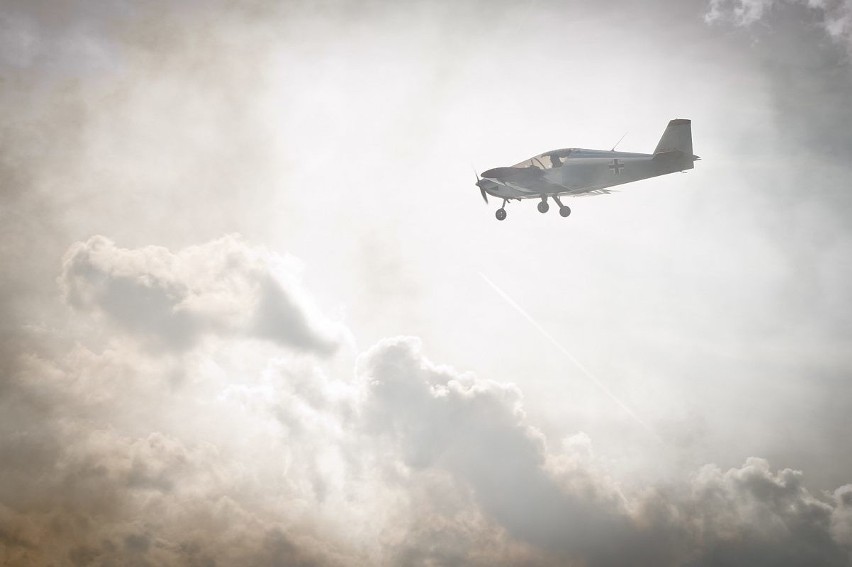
{"points": [[677, 138]]}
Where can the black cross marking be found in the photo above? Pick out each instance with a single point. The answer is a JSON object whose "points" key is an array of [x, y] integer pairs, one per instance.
{"points": [[616, 167]]}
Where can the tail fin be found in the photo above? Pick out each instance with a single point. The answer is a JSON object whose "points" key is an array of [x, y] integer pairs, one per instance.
{"points": [[676, 138], [676, 144]]}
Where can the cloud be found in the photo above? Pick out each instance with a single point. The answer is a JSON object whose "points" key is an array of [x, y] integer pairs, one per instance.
{"points": [[807, 78], [835, 15], [437, 419], [741, 12], [841, 517], [18, 41], [268, 450], [111, 499], [174, 299], [264, 456], [105, 463], [754, 516], [475, 430]]}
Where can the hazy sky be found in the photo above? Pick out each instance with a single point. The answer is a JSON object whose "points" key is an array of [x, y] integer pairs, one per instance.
{"points": [[245, 310]]}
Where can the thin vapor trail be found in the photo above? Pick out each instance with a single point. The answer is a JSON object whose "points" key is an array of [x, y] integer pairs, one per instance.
{"points": [[564, 351]]}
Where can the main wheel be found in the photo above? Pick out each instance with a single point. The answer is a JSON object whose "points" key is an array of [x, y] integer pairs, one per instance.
{"points": [[543, 207], [564, 211], [500, 214]]}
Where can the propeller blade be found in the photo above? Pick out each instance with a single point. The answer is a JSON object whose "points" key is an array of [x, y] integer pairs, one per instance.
{"points": [[481, 190]]}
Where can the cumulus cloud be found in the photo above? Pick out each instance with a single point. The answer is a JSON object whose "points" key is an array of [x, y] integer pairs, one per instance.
{"points": [[437, 419], [107, 498], [174, 299], [475, 430], [752, 515], [262, 456], [268, 450], [105, 461]]}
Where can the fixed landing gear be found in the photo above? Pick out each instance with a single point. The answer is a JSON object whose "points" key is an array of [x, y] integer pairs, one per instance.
{"points": [[543, 207], [501, 212], [564, 210]]}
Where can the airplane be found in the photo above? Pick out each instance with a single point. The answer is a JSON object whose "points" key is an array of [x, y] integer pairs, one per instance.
{"points": [[577, 172]]}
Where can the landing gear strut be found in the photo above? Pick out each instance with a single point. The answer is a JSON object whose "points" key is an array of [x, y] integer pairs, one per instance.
{"points": [[563, 209], [501, 212], [543, 207]]}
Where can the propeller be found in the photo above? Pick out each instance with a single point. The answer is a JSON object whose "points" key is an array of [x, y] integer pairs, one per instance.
{"points": [[481, 190]]}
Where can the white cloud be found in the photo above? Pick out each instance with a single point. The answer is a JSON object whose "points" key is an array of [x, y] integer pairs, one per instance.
{"points": [[565, 505], [752, 514], [174, 299], [105, 462], [256, 455], [213, 442]]}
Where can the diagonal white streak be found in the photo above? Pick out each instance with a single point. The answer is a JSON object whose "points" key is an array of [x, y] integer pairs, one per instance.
{"points": [[564, 351]]}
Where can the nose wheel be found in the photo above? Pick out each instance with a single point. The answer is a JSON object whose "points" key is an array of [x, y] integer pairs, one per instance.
{"points": [[501, 212]]}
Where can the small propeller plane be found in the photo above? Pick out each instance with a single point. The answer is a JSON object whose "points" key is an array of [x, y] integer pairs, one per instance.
{"points": [[576, 171]]}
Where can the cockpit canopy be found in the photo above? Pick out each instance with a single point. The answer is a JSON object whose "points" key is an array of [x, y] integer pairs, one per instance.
{"points": [[547, 160]]}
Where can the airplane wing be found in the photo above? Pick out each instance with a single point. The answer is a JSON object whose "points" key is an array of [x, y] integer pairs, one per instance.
{"points": [[542, 187], [591, 192]]}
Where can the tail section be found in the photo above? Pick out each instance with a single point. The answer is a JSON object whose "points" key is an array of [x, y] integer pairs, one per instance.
{"points": [[676, 143]]}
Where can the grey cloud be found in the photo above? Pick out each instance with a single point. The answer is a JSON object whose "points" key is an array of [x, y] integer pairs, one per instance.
{"points": [[18, 42], [809, 76], [835, 15], [752, 516], [438, 466], [802, 54], [841, 518], [742, 12], [174, 299], [446, 468], [438, 419], [75, 489]]}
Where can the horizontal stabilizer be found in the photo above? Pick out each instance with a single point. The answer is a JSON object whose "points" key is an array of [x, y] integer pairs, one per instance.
{"points": [[671, 154]]}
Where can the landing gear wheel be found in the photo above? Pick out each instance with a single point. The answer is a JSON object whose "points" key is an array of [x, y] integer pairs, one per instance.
{"points": [[543, 207], [500, 214], [564, 211]]}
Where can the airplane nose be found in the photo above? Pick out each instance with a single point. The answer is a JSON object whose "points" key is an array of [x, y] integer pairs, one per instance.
{"points": [[494, 173]]}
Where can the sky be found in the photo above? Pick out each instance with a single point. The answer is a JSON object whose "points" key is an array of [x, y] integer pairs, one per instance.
{"points": [[253, 310]]}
